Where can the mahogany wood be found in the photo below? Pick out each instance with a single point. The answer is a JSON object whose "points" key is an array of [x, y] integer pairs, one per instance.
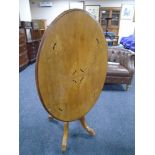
{"points": [[23, 57], [32, 47], [33, 44], [37, 34]]}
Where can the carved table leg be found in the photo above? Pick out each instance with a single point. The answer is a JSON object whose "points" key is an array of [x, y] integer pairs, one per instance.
{"points": [[88, 129], [65, 136]]}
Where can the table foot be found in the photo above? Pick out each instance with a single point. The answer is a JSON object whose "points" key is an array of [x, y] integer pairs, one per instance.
{"points": [[65, 137], [85, 126]]}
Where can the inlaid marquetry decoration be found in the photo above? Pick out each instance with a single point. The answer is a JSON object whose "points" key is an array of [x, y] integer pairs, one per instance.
{"points": [[71, 67]]}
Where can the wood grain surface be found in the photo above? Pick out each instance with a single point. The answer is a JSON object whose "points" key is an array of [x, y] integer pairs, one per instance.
{"points": [[71, 65]]}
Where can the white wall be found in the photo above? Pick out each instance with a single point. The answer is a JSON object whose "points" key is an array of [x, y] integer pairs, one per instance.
{"points": [[24, 10], [49, 13]]}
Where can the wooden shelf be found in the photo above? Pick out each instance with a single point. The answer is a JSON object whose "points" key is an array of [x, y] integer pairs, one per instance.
{"points": [[110, 12]]}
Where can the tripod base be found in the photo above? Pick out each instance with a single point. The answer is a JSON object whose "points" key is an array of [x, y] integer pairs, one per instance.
{"points": [[66, 131]]}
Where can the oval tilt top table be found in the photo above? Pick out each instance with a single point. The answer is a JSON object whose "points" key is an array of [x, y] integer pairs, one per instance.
{"points": [[71, 67]]}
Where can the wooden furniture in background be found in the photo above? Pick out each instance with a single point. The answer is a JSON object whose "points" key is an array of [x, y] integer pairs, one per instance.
{"points": [[39, 27], [23, 57], [37, 34], [38, 24], [71, 68], [32, 47], [34, 31], [27, 26], [113, 24]]}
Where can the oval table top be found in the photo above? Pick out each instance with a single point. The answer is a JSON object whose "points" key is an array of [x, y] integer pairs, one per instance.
{"points": [[71, 65]]}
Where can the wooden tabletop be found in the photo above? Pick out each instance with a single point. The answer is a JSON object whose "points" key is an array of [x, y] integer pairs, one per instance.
{"points": [[71, 65]]}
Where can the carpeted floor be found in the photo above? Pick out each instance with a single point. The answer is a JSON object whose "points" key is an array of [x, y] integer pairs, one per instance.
{"points": [[112, 118]]}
